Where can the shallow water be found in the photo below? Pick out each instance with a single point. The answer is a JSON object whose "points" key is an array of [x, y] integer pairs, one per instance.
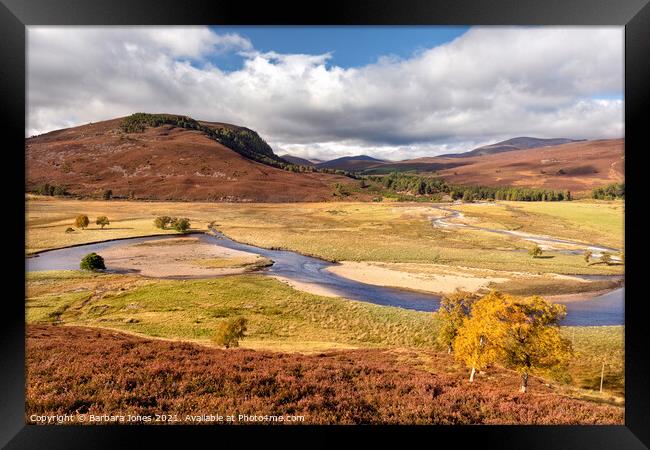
{"points": [[602, 310]]}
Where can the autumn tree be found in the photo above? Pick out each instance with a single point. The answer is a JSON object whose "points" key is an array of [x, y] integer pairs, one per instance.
{"points": [[531, 339], [81, 221], [536, 251], [102, 221], [454, 308], [478, 341]]}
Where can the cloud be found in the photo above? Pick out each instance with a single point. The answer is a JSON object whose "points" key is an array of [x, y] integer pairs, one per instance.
{"points": [[489, 84]]}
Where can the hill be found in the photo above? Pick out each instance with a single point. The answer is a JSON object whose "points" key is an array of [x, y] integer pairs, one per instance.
{"points": [[350, 163], [166, 157], [297, 160], [577, 166], [518, 143]]}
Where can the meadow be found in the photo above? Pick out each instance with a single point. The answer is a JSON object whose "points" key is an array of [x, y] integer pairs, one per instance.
{"points": [[280, 319], [390, 232], [599, 221]]}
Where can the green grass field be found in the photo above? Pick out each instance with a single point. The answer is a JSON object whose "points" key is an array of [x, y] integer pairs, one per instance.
{"points": [[590, 221], [280, 318]]}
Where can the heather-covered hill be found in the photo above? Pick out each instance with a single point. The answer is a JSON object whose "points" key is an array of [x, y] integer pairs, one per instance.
{"points": [[68, 372], [181, 160]]}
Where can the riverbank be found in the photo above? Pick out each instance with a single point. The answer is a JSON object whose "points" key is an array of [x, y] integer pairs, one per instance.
{"points": [[341, 231]]}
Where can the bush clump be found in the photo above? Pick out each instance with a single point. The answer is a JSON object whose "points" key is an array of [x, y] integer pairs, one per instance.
{"points": [[92, 261], [102, 221], [82, 221], [181, 225], [162, 222], [230, 332]]}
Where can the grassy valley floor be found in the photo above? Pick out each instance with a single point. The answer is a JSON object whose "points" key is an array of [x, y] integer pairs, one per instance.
{"points": [[330, 359]]}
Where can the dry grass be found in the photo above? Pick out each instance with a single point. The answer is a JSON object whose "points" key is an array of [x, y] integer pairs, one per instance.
{"points": [[589, 221], [251, 263], [394, 232]]}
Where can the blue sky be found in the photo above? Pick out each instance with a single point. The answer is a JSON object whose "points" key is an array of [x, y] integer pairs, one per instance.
{"points": [[350, 46], [326, 92]]}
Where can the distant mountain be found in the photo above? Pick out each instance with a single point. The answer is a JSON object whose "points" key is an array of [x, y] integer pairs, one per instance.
{"points": [[518, 143], [577, 166], [297, 160], [352, 163]]}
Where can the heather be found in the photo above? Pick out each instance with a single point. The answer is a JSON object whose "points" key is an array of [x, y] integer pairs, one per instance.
{"points": [[94, 371]]}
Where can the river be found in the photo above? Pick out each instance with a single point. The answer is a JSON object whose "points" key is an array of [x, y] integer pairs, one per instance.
{"points": [[605, 309]]}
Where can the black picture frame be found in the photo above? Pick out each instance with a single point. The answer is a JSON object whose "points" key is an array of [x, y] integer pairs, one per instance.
{"points": [[15, 15]]}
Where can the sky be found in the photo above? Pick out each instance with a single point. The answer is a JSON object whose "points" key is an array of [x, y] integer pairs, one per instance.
{"points": [[325, 92]]}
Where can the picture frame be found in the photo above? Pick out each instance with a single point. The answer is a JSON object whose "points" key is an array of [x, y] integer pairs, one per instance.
{"points": [[15, 15]]}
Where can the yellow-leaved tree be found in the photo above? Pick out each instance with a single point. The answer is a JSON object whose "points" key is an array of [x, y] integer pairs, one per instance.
{"points": [[532, 341], [478, 341], [520, 333], [454, 308]]}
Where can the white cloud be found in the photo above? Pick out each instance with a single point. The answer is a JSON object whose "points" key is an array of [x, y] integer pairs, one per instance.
{"points": [[489, 84]]}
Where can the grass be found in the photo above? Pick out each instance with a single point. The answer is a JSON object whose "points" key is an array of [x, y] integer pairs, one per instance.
{"points": [[549, 286], [390, 232], [280, 318], [594, 346], [235, 262], [602, 222], [49, 217]]}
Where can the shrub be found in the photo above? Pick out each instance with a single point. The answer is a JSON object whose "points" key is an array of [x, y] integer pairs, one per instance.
{"points": [[107, 194], [50, 189], [82, 221], [181, 225], [230, 332], [609, 192], [587, 256], [70, 230], [535, 251], [162, 222], [340, 190], [606, 258], [92, 261], [102, 221]]}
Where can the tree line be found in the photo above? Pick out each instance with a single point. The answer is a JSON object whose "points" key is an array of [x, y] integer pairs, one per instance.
{"points": [[518, 333], [610, 192], [427, 186]]}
